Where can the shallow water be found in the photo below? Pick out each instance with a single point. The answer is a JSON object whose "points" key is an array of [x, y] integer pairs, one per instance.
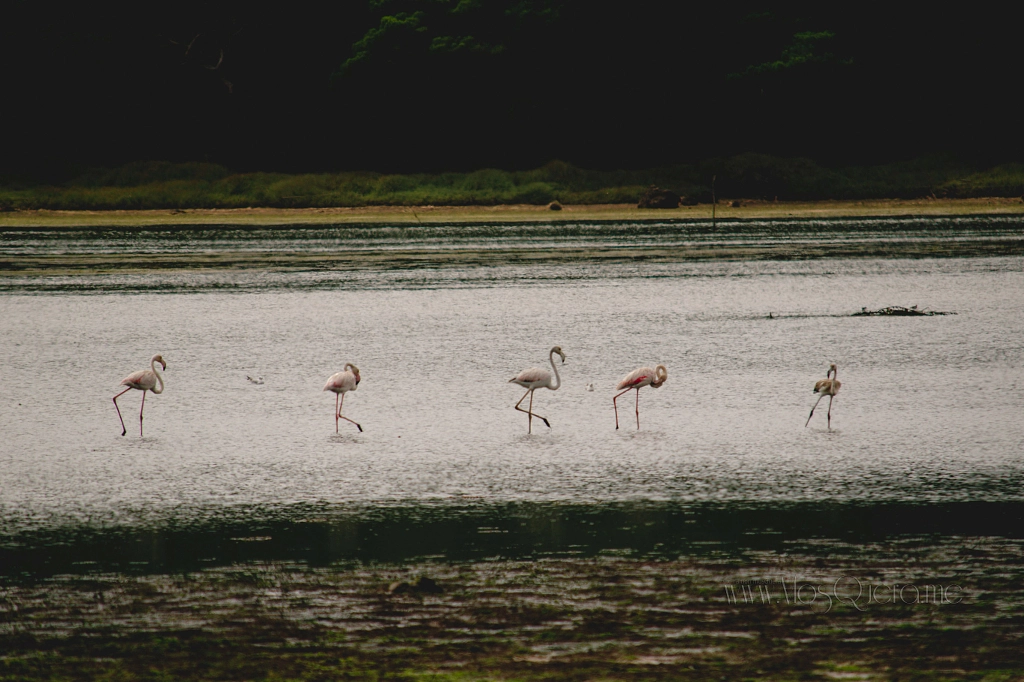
{"points": [[929, 413], [229, 257], [364, 237]]}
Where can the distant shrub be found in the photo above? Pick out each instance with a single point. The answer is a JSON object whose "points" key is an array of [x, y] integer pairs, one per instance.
{"points": [[533, 193], [487, 180], [155, 185], [1001, 181]]}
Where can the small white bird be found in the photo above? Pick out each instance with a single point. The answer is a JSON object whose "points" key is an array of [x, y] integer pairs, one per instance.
{"points": [[635, 380], [826, 387], [143, 380], [534, 378], [341, 383], [590, 387], [258, 381]]}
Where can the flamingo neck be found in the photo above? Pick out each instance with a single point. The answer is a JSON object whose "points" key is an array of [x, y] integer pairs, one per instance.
{"points": [[159, 379], [558, 379]]}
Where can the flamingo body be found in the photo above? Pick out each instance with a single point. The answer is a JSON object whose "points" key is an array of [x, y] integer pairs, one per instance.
{"points": [[533, 378], [826, 387], [143, 380], [635, 380], [643, 376], [341, 383]]}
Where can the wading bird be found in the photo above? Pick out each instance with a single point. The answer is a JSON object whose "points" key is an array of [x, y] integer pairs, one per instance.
{"points": [[144, 380], [826, 387], [534, 378], [637, 379], [341, 383]]}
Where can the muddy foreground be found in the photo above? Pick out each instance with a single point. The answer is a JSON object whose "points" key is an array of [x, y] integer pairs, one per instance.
{"points": [[816, 612]]}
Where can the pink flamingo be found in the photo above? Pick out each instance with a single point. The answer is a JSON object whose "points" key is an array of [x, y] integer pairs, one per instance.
{"points": [[826, 387], [341, 383], [534, 378], [144, 380], [637, 379]]}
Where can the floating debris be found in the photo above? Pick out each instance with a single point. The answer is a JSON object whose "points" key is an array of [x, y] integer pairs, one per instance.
{"points": [[900, 311]]}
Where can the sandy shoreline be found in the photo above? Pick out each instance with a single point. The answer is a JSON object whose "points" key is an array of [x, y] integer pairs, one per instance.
{"points": [[509, 213]]}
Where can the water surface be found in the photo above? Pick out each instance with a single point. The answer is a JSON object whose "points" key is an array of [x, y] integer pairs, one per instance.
{"points": [[929, 413]]}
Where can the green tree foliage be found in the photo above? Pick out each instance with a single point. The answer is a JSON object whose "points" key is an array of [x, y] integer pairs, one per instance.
{"points": [[435, 85]]}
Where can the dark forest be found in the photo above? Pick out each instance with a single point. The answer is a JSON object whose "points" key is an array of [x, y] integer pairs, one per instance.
{"points": [[437, 85]]}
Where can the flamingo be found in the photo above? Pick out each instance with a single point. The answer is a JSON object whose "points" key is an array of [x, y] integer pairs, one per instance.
{"points": [[637, 379], [534, 378], [826, 387], [144, 380], [341, 383]]}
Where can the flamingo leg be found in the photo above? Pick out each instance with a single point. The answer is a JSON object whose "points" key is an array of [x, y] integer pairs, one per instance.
{"points": [[529, 418], [140, 412], [344, 417], [123, 430], [529, 392], [830, 412], [638, 409], [813, 408], [616, 407], [532, 413], [337, 411]]}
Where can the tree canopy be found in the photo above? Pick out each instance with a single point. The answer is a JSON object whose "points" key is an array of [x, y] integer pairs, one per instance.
{"points": [[428, 85]]}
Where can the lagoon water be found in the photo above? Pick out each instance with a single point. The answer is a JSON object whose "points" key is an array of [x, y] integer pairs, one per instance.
{"points": [[931, 412]]}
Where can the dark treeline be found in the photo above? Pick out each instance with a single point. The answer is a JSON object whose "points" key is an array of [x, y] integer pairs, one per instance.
{"points": [[438, 85]]}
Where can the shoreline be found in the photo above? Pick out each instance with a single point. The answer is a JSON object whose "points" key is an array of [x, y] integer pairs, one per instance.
{"points": [[514, 213]]}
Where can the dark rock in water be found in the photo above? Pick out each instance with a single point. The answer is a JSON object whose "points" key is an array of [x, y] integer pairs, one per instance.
{"points": [[688, 200], [655, 197], [427, 586], [899, 311], [554, 206], [736, 204], [399, 587]]}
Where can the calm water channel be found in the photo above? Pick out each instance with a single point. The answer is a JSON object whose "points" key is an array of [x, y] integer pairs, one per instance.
{"points": [[928, 430]]}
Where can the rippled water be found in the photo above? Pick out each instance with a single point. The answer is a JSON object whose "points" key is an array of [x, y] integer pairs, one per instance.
{"points": [[157, 239], [930, 411]]}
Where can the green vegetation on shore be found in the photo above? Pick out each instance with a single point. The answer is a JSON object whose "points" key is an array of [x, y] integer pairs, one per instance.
{"points": [[163, 185]]}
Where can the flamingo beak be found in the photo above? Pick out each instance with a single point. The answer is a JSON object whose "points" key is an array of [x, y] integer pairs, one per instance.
{"points": [[164, 365]]}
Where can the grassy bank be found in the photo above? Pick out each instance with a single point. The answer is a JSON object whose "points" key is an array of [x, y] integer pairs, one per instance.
{"points": [[166, 186], [516, 213]]}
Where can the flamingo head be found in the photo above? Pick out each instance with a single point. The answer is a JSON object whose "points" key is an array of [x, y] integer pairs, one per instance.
{"points": [[160, 359], [831, 369], [558, 349], [352, 368]]}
